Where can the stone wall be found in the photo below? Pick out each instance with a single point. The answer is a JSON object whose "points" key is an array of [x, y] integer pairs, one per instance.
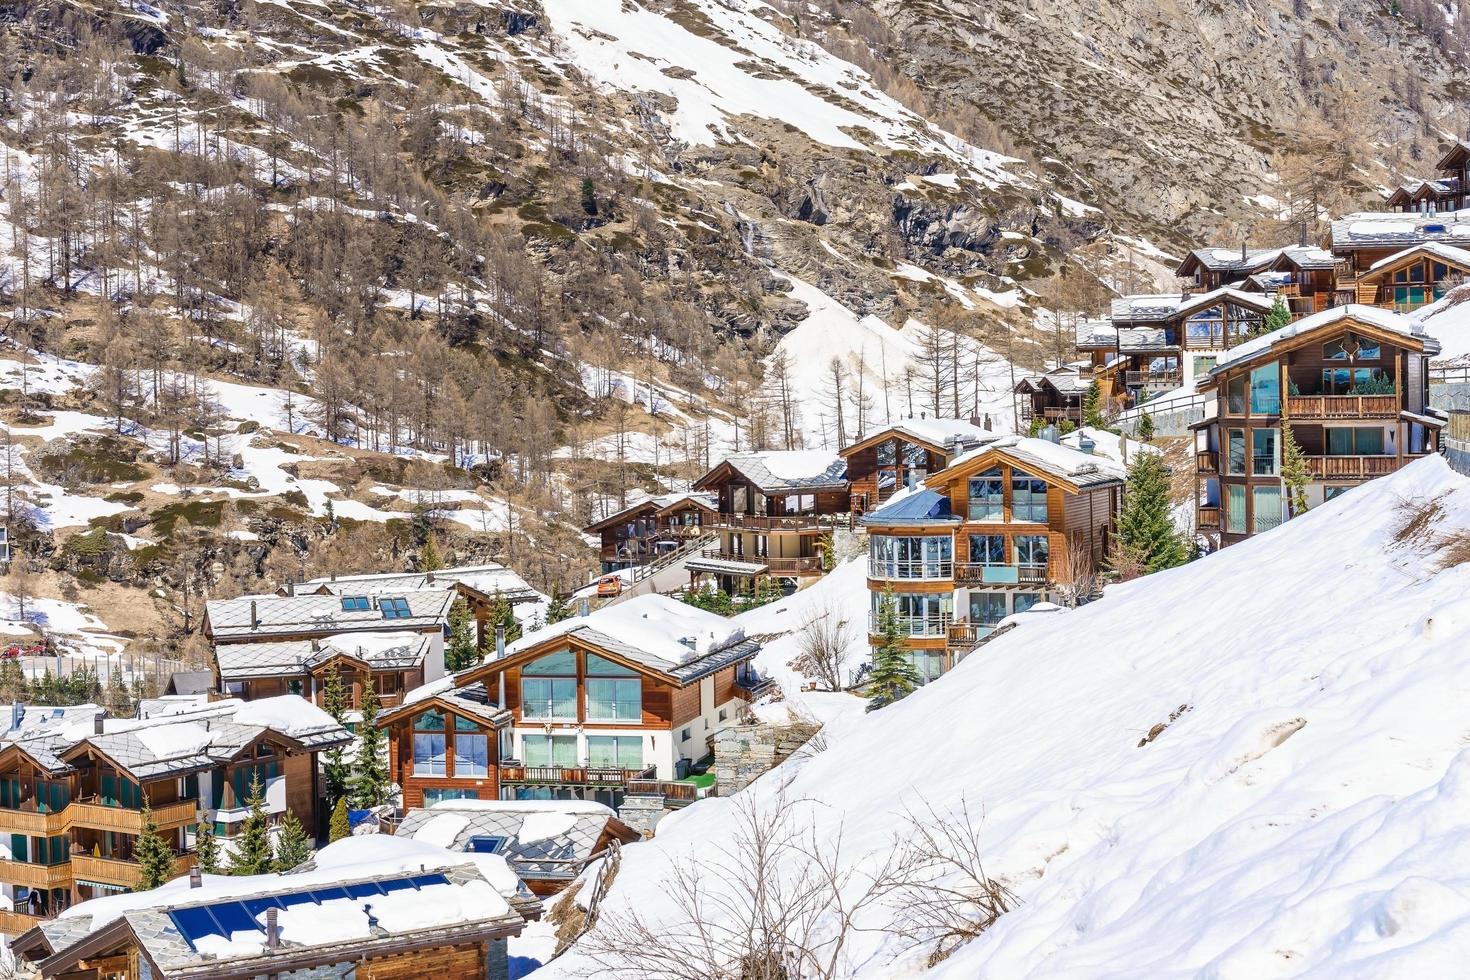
{"points": [[642, 813], [744, 752]]}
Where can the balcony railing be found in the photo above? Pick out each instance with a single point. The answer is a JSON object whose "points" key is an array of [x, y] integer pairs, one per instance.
{"points": [[941, 569], [1342, 406], [1351, 467], [1207, 461], [783, 522], [33, 823], [574, 775], [112, 871], [1073, 413], [973, 573], [965, 633], [776, 566], [675, 794], [1153, 379], [1207, 518], [36, 875], [920, 626], [1264, 464], [97, 816], [15, 923]]}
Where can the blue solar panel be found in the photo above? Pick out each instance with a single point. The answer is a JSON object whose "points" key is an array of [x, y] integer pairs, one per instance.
{"points": [[194, 924]]}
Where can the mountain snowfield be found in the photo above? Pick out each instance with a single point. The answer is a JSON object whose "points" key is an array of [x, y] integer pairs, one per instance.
{"points": [[1303, 815]]}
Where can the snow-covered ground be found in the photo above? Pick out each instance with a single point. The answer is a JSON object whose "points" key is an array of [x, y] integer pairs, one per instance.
{"points": [[1304, 814]]}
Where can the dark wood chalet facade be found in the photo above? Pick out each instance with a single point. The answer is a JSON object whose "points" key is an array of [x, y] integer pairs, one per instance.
{"points": [[996, 532], [1352, 382], [643, 531], [903, 454]]}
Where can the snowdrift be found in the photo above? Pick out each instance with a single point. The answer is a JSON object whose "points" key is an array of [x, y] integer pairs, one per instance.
{"points": [[1306, 813]]}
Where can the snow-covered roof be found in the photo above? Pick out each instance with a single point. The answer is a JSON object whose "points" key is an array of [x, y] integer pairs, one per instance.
{"points": [[922, 507], [944, 433], [296, 658], [1449, 253], [1045, 457], [399, 893], [1307, 257], [1371, 315], [489, 578], [1096, 333], [542, 839], [657, 503], [1221, 259], [1367, 228], [1151, 307], [324, 615], [787, 470]]}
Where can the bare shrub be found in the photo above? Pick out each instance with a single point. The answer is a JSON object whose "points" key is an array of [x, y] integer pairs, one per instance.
{"points": [[1415, 519], [1078, 580], [944, 898], [823, 640]]}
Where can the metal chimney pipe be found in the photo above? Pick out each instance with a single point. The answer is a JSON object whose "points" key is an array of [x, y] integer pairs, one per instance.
{"points": [[196, 877], [500, 641], [272, 930], [254, 615]]}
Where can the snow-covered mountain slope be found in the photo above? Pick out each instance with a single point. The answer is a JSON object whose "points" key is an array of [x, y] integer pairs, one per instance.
{"points": [[1303, 813]]}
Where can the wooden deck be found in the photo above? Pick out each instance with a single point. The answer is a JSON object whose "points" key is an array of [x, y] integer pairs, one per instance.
{"points": [[1342, 406], [571, 775], [1351, 467], [15, 923]]}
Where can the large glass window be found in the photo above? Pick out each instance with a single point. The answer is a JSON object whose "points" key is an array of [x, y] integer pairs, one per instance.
{"points": [[614, 699], [1266, 508], [441, 794], [988, 549], [895, 556], [429, 721], [1235, 457], [603, 667], [615, 751], [471, 754], [1345, 441], [551, 750], [1028, 497], [920, 614], [1023, 601], [928, 664], [428, 754], [549, 698], [987, 608], [1235, 395], [987, 496], [1263, 452], [1266, 389], [1234, 508], [1032, 550]]}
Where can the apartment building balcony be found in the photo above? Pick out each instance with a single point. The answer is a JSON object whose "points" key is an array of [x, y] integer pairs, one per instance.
{"points": [[33, 823], [15, 923], [1207, 462], [1301, 407], [1350, 467], [921, 627], [675, 794], [918, 570], [1207, 518], [119, 873], [964, 634], [572, 775], [811, 565], [1057, 414], [46, 876], [1160, 380], [980, 573], [94, 815], [781, 522]]}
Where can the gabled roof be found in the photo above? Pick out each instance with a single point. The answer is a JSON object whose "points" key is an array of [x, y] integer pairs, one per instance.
{"points": [[1096, 334], [782, 471], [297, 658], [1368, 229], [1304, 257], [473, 701], [542, 839], [323, 615], [655, 505], [488, 579], [1070, 468], [1372, 319], [1156, 307], [940, 435], [1448, 254], [1452, 156], [1221, 259], [922, 506]]}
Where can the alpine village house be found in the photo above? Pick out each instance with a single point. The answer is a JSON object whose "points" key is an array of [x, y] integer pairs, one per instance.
{"points": [[1351, 383], [994, 533]]}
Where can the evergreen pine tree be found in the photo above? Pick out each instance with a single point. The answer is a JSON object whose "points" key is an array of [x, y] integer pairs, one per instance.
{"points": [[893, 676], [367, 781], [827, 548], [1294, 472], [117, 699], [1144, 528], [339, 827], [252, 854], [501, 615], [334, 761], [461, 652], [207, 849], [155, 860], [1276, 317], [768, 591], [429, 558], [292, 847], [558, 610], [589, 196], [1146, 427], [1092, 406]]}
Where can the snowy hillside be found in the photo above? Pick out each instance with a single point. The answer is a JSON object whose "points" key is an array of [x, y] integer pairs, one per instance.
{"points": [[1296, 806]]}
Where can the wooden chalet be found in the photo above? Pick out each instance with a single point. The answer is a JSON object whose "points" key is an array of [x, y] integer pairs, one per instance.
{"points": [[903, 454], [267, 645], [1353, 383], [1205, 270], [630, 694], [1053, 397], [992, 535], [648, 528], [1414, 277], [1446, 192], [773, 508], [397, 911], [482, 587], [1165, 342], [72, 807]]}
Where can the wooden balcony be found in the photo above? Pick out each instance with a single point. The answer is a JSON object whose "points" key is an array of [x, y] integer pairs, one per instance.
{"points": [[1207, 519], [1073, 413], [1351, 467], [784, 522], [675, 794], [36, 875], [15, 923], [1342, 406], [979, 573], [965, 634], [33, 823], [96, 816], [124, 874], [571, 775], [1153, 379], [1207, 462], [776, 566]]}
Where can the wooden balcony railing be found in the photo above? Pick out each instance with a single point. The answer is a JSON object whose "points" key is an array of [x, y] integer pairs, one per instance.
{"points": [[752, 688], [1351, 467], [1342, 406], [1153, 379], [776, 566], [15, 923], [36, 875], [964, 634], [33, 823], [1207, 461], [783, 522], [124, 874], [577, 775], [96, 816], [1207, 518], [1073, 413], [973, 573], [674, 793]]}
